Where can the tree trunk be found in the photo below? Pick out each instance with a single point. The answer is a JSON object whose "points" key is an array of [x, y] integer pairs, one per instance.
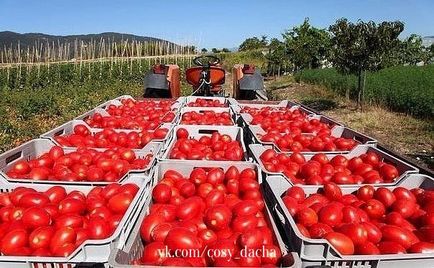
{"points": [[359, 89]]}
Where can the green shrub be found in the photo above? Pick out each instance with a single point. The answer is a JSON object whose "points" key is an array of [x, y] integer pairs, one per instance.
{"points": [[407, 89]]}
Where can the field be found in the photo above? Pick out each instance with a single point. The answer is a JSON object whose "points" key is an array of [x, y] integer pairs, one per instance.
{"points": [[36, 98], [405, 89]]}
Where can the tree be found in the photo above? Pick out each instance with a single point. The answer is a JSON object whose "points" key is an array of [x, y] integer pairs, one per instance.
{"points": [[276, 57], [362, 46], [204, 50], [215, 50], [253, 43], [412, 50], [225, 50], [307, 46]]}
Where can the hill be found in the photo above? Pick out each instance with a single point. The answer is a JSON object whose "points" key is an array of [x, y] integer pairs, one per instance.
{"points": [[8, 38]]}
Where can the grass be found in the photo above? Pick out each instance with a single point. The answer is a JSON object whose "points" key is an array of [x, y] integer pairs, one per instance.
{"points": [[403, 133]]}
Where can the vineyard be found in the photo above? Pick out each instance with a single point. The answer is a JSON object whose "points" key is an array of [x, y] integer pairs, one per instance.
{"points": [[407, 89]]}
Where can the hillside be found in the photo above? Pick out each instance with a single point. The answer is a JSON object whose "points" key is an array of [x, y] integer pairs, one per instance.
{"points": [[8, 38]]}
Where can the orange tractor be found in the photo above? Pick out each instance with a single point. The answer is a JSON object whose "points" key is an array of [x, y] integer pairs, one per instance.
{"points": [[207, 79]]}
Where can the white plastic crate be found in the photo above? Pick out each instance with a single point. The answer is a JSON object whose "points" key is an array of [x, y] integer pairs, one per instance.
{"points": [[337, 131], [118, 102], [206, 109], [37, 147], [320, 251], [104, 113], [247, 119], [68, 129], [133, 247], [196, 132], [91, 251], [404, 169]]}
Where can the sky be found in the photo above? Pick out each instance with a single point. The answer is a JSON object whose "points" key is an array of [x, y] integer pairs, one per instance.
{"points": [[205, 23]]}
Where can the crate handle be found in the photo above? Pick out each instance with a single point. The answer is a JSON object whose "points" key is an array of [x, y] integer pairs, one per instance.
{"points": [[207, 131], [279, 214], [60, 132], [13, 157]]}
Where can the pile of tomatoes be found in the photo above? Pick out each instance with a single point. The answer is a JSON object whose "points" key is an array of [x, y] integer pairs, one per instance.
{"points": [[215, 147], [322, 141], [143, 122], [367, 222], [110, 138], [55, 222], [211, 211], [367, 168], [81, 165], [140, 105], [207, 118], [286, 121], [199, 102]]}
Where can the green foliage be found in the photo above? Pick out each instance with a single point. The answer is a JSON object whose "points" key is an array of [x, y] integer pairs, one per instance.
{"points": [[362, 46], [253, 43], [307, 46], [406, 89], [278, 62], [255, 57]]}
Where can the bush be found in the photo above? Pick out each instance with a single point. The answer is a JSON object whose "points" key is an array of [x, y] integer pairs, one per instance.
{"points": [[407, 89]]}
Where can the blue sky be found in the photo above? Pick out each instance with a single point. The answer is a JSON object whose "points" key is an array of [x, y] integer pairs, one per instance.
{"points": [[204, 23]]}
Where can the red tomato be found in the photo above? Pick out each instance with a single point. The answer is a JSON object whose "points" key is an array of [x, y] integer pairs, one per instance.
{"points": [[367, 248], [56, 194], [390, 247], [71, 205], [41, 237], [218, 217], [399, 235], [119, 203], [35, 217], [189, 208], [148, 224], [365, 192], [12, 241], [181, 238], [98, 228], [182, 133], [33, 199], [319, 230], [341, 242], [422, 247], [161, 193], [306, 217], [385, 196], [332, 191], [374, 208], [296, 192], [331, 215], [356, 232]]}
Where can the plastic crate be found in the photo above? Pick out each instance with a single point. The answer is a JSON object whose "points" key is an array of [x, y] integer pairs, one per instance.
{"points": [[319, 251], [196, 132], [68, 129], [133, 247], [259, 105], [221, 100], [117, 102], [104, 113], [206, 109], [336, 131], [404, 169], [245, 119], [91, 251], [37, 147]]}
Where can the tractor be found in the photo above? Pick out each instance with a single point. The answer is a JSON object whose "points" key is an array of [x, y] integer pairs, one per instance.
{"points": [[207, 78]]}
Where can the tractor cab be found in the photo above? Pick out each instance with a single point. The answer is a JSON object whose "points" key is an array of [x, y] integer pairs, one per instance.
{"points": [[162, 81], [207, 77], [248, 83]]}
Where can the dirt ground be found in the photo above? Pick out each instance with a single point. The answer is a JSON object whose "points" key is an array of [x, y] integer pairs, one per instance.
{"points": [[405, 134]]}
